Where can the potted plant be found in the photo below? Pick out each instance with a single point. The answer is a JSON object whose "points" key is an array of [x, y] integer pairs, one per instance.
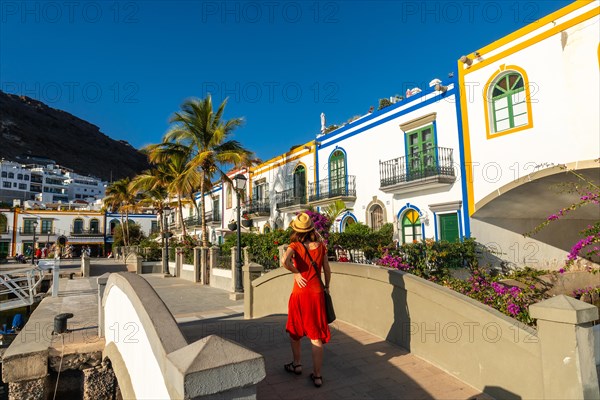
{"points": [[246, 221], [232, 225]]}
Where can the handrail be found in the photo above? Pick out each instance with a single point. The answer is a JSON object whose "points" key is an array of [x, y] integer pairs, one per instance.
{"points": [[22, 284]]}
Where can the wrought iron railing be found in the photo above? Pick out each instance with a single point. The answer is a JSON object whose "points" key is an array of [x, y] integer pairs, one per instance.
{"points": [[433, 162], [328, 188], [77, 231], [196, 220], [290, 197], [258, 207]]}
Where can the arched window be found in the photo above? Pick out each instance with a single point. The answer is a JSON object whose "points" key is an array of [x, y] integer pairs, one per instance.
{"points": [[376, 217], [113, 225], [300, 183], [266, 228], [78, 225], [508, 101], [337, 173], [346, 222], [411, 226], [94, 226]]}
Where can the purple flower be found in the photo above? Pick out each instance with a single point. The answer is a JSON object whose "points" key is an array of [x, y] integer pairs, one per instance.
{"points": [[514, 291], [513, 308], [562, 270]]}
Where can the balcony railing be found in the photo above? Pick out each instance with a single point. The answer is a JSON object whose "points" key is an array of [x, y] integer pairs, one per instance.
{"points": [[38, 231], [260, 207], [196, 220], [437, 161], [77, 231], [289, 198], [344, 186]]}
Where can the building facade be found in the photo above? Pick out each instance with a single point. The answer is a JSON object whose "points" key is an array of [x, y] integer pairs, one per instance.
{"points": [[529, 114]]}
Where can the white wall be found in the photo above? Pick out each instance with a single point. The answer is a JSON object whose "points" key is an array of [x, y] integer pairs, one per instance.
{"points": [[564, 86], [132, 341], [386, 141]]}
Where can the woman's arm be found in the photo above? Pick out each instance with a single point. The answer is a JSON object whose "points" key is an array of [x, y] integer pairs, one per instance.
{"points": [[326, 269], [287, 263]]}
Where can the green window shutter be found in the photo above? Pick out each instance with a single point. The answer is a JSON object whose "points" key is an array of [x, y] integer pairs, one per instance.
{"points": [[337, 173], [509, 107], [449, 227], [421, 152]]}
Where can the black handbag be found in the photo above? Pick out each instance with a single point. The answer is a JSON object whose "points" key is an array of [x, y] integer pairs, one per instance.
{"points": [[329, 311]]}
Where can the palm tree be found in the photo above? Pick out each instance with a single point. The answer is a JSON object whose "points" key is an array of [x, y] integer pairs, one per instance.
{"points": [[175, 172], [152, 186], [207, 134], [119, 198]]}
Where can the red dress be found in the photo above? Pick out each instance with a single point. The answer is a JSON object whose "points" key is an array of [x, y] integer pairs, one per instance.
{"points": [[306, 308]]}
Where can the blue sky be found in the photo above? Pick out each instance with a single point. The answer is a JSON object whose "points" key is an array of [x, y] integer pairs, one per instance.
{"points": [[126, 66]]}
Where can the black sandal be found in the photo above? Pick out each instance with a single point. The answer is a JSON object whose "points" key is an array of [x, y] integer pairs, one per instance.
{"points": [[314, 379], [293, 368]]}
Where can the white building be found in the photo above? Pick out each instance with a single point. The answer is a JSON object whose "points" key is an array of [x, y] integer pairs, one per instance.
{"points": [[399, 164], [14, 181], [531, 103], [84, 187], [278, 188]]}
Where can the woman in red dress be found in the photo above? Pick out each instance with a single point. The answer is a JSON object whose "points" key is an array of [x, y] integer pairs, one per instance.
{"points": [[306, 308]]}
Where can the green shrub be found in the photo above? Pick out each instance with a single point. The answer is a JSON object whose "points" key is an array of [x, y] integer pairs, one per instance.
{"points": [[360, 237], [263, 249]]}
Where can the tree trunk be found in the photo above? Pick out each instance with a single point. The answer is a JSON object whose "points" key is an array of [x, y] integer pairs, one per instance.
{"points": [[180, 206], [127, 225], [123, 228], [203, 207]]}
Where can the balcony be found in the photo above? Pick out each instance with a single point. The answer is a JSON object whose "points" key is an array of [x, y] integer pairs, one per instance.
{"points": [[196, 220], [85, 232], [327, 191], [289, 200], [424, 170], [259, 208]]}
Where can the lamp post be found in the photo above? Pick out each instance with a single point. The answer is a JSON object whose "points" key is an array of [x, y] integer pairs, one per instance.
{"points": [[166, 213], [48, 239], [35, 224], [239, 183]]}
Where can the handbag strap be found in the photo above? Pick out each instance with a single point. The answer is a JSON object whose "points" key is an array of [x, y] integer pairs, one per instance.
{"points": [[314, 264]]}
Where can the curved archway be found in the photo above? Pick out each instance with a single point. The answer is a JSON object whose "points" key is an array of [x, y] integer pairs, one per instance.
{"points": [[376, 214], [506, 214]]}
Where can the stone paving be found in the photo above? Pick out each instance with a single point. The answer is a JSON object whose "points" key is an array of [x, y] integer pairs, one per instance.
{"points": [[357, 365]]}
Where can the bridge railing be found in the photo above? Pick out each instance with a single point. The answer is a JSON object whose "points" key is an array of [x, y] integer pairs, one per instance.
{"points": [[152, 359], [481, 346], [20, 287]]}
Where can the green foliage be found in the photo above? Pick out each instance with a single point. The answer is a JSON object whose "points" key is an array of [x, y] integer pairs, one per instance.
{"points": [[431, 259], [263, 249], [360, 237], [358, 228], [151, 249], [187, 243], [383, 103], [510, 300], [136, 235]]}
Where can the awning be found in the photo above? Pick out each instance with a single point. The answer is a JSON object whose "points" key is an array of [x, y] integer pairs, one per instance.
{"points": [[85, 240]]}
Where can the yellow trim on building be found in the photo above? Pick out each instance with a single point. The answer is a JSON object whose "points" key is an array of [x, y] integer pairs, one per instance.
{"points": [[487, 102], [462, 71], [529, 42], [531, 27]]}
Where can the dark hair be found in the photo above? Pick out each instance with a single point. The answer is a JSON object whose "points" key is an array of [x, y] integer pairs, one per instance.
{"points": [[303, 236]]}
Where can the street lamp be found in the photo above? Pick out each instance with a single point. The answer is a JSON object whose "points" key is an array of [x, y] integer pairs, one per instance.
{"points": [[165, 261], [239, 183], [35, 224], [48, 240]]}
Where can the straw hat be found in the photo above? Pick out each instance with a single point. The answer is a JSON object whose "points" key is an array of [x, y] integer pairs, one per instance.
{"points": [[302, 223]]}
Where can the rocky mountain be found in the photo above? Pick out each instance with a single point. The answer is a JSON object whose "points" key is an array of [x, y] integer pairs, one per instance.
{"points": [[29, 128]]}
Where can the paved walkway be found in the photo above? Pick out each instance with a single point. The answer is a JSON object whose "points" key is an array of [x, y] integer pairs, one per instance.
{"points": [[357, 365]]}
